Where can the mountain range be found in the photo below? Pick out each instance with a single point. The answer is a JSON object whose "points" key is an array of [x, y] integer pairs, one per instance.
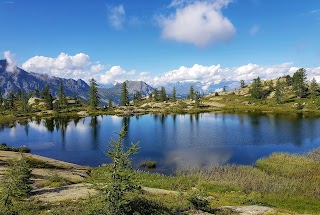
{"points": [[14, 78]]}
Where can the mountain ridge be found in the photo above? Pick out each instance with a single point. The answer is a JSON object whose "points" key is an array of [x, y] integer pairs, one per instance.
{"points": [[29, 81]]}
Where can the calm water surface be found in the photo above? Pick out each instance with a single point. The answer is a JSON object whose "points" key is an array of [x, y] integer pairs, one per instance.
{"points": [[173, 141]]}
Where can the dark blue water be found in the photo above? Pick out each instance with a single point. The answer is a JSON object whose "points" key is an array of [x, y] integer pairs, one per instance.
{"points": [[173, 141]]}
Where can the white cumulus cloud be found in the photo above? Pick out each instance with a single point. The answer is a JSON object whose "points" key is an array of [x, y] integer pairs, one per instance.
{"points": [[116, 75], [64, 66], [197, 22], [116, 16], [97, 68]]}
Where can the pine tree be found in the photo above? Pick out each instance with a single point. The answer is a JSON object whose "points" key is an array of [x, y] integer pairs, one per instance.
{"points": [[94, 98], [174, 94], [256, 89], [191, 93], [197, 100], [61, 96], [16, 184], [36, 93], [124, 95], [19, 94], [298, 82], [11, 99], [224, 88], [242, 84], [156, 94], [137, 97], [110, 103], [314, 88], [121, 181], [46, 95], [163, 94], [279, 91]]}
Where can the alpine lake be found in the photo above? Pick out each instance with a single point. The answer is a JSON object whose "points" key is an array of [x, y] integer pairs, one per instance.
{"points": [[172, 141]]}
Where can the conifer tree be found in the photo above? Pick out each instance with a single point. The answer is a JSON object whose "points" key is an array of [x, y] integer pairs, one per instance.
{"points": [[137, 97], [279, 91], [62, 96], [16, 184], [298, 82], [122, 181], [191, 93], [174, 94], [256, 89], [197, 100], [94, 98], [163, 94], [314, 88], [124, 95], [242, 84]]}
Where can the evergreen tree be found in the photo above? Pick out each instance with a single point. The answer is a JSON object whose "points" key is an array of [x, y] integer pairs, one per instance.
{"points": [[94, 98], [137, 97], [36, 93], [75, 97], [298, 82], [242, 84], [25, 106], [46, 95], [314, 88], [163, 94], [256, 89], [62, 96], [16, 184], [224, 88], [288, 80], [279, 91], [156, 94], [150, 96], [45, 92], [110, 103], [197, 100], [174, 94], [124, 95], [191, 93], [11, 99], [122, 181], [19, 94]]}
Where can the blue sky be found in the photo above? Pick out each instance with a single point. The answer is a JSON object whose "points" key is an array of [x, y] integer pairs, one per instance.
{"points": [[157, 41]]}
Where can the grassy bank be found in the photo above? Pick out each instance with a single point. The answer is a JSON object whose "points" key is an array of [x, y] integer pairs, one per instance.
{"points": [[288, 183]]}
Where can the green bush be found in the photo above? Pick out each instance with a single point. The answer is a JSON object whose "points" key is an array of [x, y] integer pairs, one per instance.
{"points": [[23, 149], [16, 184], [56, 180], [149, 164]]}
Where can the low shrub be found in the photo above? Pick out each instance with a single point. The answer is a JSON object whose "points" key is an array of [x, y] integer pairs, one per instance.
{"points": [[23, 149], [149, 164]]}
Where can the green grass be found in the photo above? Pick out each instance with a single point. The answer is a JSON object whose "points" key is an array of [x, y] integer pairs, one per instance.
{"points": [[290, 183], [56, 181], [22, 149]]}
